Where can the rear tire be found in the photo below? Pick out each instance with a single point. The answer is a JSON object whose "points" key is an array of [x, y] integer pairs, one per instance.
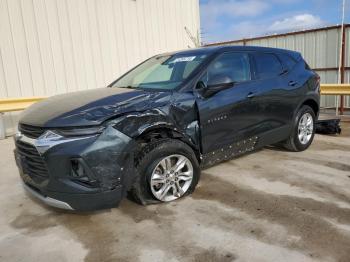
{"points": [[303, 131], [158, 177]]}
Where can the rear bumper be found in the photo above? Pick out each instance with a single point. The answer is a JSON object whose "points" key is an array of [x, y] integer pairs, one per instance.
{"points": [[106, 161]]}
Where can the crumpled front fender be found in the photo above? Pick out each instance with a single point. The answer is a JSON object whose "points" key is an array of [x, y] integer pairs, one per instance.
{"points": [[138, 123], [111, 158]]}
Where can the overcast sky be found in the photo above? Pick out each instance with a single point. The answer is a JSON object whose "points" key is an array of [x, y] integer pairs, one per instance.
{"points": [[223, 20]]}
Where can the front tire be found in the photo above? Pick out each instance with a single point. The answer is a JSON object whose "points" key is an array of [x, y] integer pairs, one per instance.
{"points": [[166, 170], [303, 131]]}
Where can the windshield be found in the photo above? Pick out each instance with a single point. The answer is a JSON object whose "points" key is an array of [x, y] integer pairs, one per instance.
{"points": [[161, 72]]}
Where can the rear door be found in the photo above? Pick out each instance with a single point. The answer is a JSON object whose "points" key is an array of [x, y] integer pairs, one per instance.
{"points": [[273, 98]]}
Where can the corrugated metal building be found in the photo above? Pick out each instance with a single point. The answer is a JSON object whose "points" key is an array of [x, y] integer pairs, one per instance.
{"points": [[320, 48], [56, 46]]}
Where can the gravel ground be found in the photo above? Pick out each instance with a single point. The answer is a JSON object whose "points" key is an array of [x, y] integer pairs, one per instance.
{"points": [[268, 206]]}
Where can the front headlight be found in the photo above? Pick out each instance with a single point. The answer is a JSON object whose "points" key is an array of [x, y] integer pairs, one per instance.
{"points": [[81, 131]]}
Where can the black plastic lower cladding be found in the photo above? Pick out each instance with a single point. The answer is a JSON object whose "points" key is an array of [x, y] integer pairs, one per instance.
{"points": [[229, 152]]}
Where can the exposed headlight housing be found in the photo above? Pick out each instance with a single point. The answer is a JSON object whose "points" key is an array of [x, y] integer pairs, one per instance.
{"points": [[81, 173]]}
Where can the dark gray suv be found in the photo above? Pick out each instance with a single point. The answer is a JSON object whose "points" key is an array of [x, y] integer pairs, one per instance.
{"points": [[150, 132]]}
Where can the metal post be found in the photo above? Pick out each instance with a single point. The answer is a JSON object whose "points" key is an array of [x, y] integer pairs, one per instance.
{"points": [[341, 60], [342, 70], [336, 105], [2, 127]]}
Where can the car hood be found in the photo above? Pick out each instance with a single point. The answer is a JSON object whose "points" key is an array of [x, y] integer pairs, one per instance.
{"points": [[91, 107]]}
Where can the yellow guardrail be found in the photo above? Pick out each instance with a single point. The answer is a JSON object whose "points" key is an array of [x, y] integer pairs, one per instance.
{"points": [[17, 104], [14, 104], [335, 89]]}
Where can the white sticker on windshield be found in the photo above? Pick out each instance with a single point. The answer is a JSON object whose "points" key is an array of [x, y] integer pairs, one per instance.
{"points": [[183, 59]]}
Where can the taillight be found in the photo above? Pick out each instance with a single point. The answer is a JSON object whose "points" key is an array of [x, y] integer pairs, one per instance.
{"points": [[318, 79], [317, 83]]}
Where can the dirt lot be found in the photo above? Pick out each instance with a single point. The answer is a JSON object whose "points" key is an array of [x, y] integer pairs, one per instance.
{"points": [[268, 206]]}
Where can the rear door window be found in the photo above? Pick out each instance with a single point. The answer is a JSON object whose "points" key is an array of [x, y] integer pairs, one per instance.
{"points": [[267, 65]]}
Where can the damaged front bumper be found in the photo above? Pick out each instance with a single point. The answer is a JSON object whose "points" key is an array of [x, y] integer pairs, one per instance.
{"points": [[79, 173]]}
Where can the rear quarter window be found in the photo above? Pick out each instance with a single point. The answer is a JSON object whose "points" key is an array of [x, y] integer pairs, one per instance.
{"points": [[307, 66], [287, 61], [267, 65]]}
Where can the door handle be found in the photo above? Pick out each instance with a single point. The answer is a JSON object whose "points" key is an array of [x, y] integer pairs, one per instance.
{"points": [[292, 83], [250, 95]]}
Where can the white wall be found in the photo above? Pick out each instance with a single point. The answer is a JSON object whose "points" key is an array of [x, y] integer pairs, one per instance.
{"points": [[57, 46]]}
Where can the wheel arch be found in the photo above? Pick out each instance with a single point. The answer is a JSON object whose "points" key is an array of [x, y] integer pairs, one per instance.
{"points": [[313, 104], [162, 131]]}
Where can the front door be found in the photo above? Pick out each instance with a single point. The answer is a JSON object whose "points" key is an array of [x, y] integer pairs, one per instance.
{"points": [[229, 116]]}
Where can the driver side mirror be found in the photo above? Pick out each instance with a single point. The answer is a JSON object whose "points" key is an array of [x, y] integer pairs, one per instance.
{"points": [[215, 84]]}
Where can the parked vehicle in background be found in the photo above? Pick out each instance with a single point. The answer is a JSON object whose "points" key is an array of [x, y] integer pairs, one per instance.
{"points": [[151, 131]]}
